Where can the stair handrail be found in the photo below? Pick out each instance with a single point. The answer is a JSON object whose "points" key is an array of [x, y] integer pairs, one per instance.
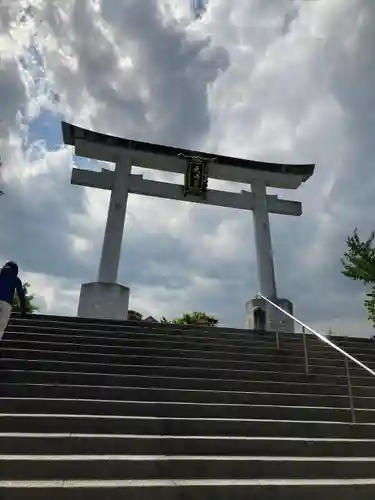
{"points": [[327, 341]]}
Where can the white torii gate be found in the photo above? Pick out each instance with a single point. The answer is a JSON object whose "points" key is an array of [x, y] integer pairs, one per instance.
{"points": [[107, 299]]}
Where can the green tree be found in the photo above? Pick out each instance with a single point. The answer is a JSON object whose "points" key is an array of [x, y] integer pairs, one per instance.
{"points": [[30, 297], [196, 318], [134, 315], [359, 264]]}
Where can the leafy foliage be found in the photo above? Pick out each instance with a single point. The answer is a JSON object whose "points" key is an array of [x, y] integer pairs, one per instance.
{"points": [[359, 259], [135, 315], [193, 318], [359, 264], [30, 306]]}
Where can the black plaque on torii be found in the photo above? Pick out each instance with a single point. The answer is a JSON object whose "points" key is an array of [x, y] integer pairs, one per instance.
{"points": [[196, 175]]}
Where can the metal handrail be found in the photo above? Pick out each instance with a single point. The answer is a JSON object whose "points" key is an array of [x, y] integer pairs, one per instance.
{"points": [[324, 339]]}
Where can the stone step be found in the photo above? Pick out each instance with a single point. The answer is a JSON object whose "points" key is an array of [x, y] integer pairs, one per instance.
{"points": [[121, 467], [284, 365], [180, 409], [112, 344], [360, 489], [155, 369], [60, 391], [109, 424], [216, 334], [110, 338], [252, 340], [117, 380], [164, 349], [249, 337], [105, 323], [118, 326], [92, 324], [94, 444]]}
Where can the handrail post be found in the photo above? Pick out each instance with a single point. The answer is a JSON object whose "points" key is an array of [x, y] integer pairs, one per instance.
{"points": [[350, 390], [306, 354], [277, 339]]}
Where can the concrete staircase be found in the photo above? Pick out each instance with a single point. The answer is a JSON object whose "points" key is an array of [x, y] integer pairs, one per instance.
{"points": [[93, 410]]}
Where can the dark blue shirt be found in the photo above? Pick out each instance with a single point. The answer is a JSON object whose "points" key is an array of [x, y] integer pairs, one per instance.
{"points": [[9, 284]]}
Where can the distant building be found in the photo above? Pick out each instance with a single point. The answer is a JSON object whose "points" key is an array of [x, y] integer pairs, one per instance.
{"points": [[150, 319]]}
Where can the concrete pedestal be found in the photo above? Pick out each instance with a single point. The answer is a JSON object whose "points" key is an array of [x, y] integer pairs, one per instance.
{"points": [[104, 301], [274, 319]]}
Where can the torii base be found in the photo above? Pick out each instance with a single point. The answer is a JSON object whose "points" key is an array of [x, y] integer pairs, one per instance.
{"points": [[273, 319], [104, 301]]}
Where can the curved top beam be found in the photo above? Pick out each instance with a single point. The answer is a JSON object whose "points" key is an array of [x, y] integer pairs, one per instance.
{"points": [[72, 134]]}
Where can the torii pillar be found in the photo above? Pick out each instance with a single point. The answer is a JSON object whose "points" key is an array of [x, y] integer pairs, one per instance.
{"points": [[105, 298], [273, 318]]}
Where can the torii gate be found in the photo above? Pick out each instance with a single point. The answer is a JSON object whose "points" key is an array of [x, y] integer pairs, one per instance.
{"points": [[107, 299]]}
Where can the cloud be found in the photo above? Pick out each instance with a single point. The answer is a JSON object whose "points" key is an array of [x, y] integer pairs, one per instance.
{"points": [[285, 81]]}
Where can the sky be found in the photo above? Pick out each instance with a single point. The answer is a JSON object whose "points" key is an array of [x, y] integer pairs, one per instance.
{"points": [[289, 81]]}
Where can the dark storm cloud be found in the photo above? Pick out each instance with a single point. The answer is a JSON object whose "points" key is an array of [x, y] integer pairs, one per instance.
{"points": [[36, 225], [13, 88], [322, 291], [176, 71]]}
